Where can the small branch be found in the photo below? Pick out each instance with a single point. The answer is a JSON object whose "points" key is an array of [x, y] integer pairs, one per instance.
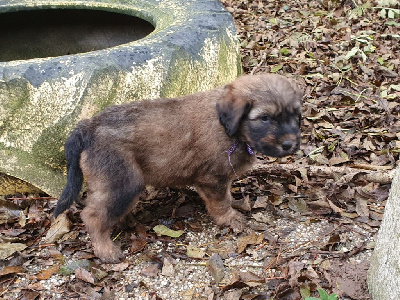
{"points": [[371, 167], [378, 174], [35, 198]]}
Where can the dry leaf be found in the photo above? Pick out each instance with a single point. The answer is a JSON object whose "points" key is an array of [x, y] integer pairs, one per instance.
{"points": [[164, 230], [251, 279], [215, 267], [261, 217], [11, 270], [298, 205], [362, 207], [168, 268], [84, 275], [252, 239], [150, 271], [120, 267], [7, 249], [46, 274], [195, 252], [261, 202], [60, 227]]}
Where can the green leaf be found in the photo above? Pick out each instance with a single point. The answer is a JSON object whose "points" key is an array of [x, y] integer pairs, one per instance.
{"points": [[351, 53], [395, 87], [311, 298], [390, 14], [332, 146], [320, 13], [72, 266], [164, 230], [364, 57], [332, 297], [380, 61], [323, 294], [305, 291], [305, 13], [369, 48], [392, 23], [383, 13], [284, 51], [276, 68], [273, 21]]}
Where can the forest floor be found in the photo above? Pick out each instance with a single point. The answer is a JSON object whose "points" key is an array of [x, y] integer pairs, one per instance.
{"points": [[312, 217]]}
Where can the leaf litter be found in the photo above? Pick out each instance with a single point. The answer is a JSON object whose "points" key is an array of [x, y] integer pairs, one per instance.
{"points": [[312, 217]]}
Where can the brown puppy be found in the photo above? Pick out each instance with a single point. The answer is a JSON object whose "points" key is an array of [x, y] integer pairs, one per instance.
{"points": [[199, 140]]}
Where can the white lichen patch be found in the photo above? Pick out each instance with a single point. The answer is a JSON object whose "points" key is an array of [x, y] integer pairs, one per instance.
{"points": [[142, 82], [49, 102]]}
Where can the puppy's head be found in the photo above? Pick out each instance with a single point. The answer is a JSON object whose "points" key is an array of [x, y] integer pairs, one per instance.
{"points": [[264, 111]]}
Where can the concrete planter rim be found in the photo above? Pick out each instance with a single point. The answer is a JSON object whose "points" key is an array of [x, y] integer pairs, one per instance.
{"points": [[165, 19]]}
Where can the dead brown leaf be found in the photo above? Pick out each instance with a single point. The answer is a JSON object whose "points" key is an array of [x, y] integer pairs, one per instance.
{"points": [[46, 274], [251, 239], [84, 275], [11, 270]]}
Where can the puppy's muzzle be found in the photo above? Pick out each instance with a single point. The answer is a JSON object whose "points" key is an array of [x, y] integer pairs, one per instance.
{"points": [[287, 145], [278, 147]]}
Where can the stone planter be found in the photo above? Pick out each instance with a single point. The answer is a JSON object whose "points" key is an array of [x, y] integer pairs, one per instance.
{"points": [[182, 46]]}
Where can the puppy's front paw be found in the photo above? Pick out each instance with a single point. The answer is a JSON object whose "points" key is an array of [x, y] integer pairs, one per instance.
{"points": [[111, 254], [233, 219]]}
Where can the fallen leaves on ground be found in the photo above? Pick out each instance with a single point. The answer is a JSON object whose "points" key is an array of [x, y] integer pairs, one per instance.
{"points": [[345, 54]]}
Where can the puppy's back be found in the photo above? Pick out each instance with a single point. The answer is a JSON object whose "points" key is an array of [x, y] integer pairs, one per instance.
{"points": [[173, 141]]}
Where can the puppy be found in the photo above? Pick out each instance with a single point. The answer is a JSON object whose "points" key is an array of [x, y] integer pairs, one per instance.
{"points": [[204, 140]]}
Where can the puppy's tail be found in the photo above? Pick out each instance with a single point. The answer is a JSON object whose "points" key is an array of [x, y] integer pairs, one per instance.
{"points": [[75, 144]]}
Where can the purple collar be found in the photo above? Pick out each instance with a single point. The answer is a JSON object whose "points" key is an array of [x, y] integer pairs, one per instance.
{"points": [[230, 152], [234, 147]]}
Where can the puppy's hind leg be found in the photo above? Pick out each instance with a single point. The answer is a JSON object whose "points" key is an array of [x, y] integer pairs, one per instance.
{"points": [[218, 199], [99, 227], [112, 192]]}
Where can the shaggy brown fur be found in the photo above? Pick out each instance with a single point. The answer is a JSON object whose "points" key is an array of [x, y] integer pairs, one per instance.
{"points": [[178, 142]]}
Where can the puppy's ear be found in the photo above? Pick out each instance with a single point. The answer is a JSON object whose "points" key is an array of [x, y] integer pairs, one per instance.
{"points": [[296, 87], [232, 108]]}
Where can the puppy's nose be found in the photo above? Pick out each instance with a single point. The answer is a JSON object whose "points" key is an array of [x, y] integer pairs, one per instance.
{"points": [[286, 145]]}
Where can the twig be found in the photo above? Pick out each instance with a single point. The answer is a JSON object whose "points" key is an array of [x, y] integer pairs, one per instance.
{"points": [[378, 174], [8, 285], [371, 167], [313, 241], [46, 245], [263, 59], [355, 231], [117, 236], [330, 253], [36, 240], [217, 242], [272, 278], [274, 261], [355, 250], [28, 198], [244, 253]]}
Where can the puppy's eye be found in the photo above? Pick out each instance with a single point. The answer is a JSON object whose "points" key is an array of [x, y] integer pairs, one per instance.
{"points": [[265, 119]]}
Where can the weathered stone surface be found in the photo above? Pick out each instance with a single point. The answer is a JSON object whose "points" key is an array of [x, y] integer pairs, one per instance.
{"points": [[384, 272], [192, 48]]}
